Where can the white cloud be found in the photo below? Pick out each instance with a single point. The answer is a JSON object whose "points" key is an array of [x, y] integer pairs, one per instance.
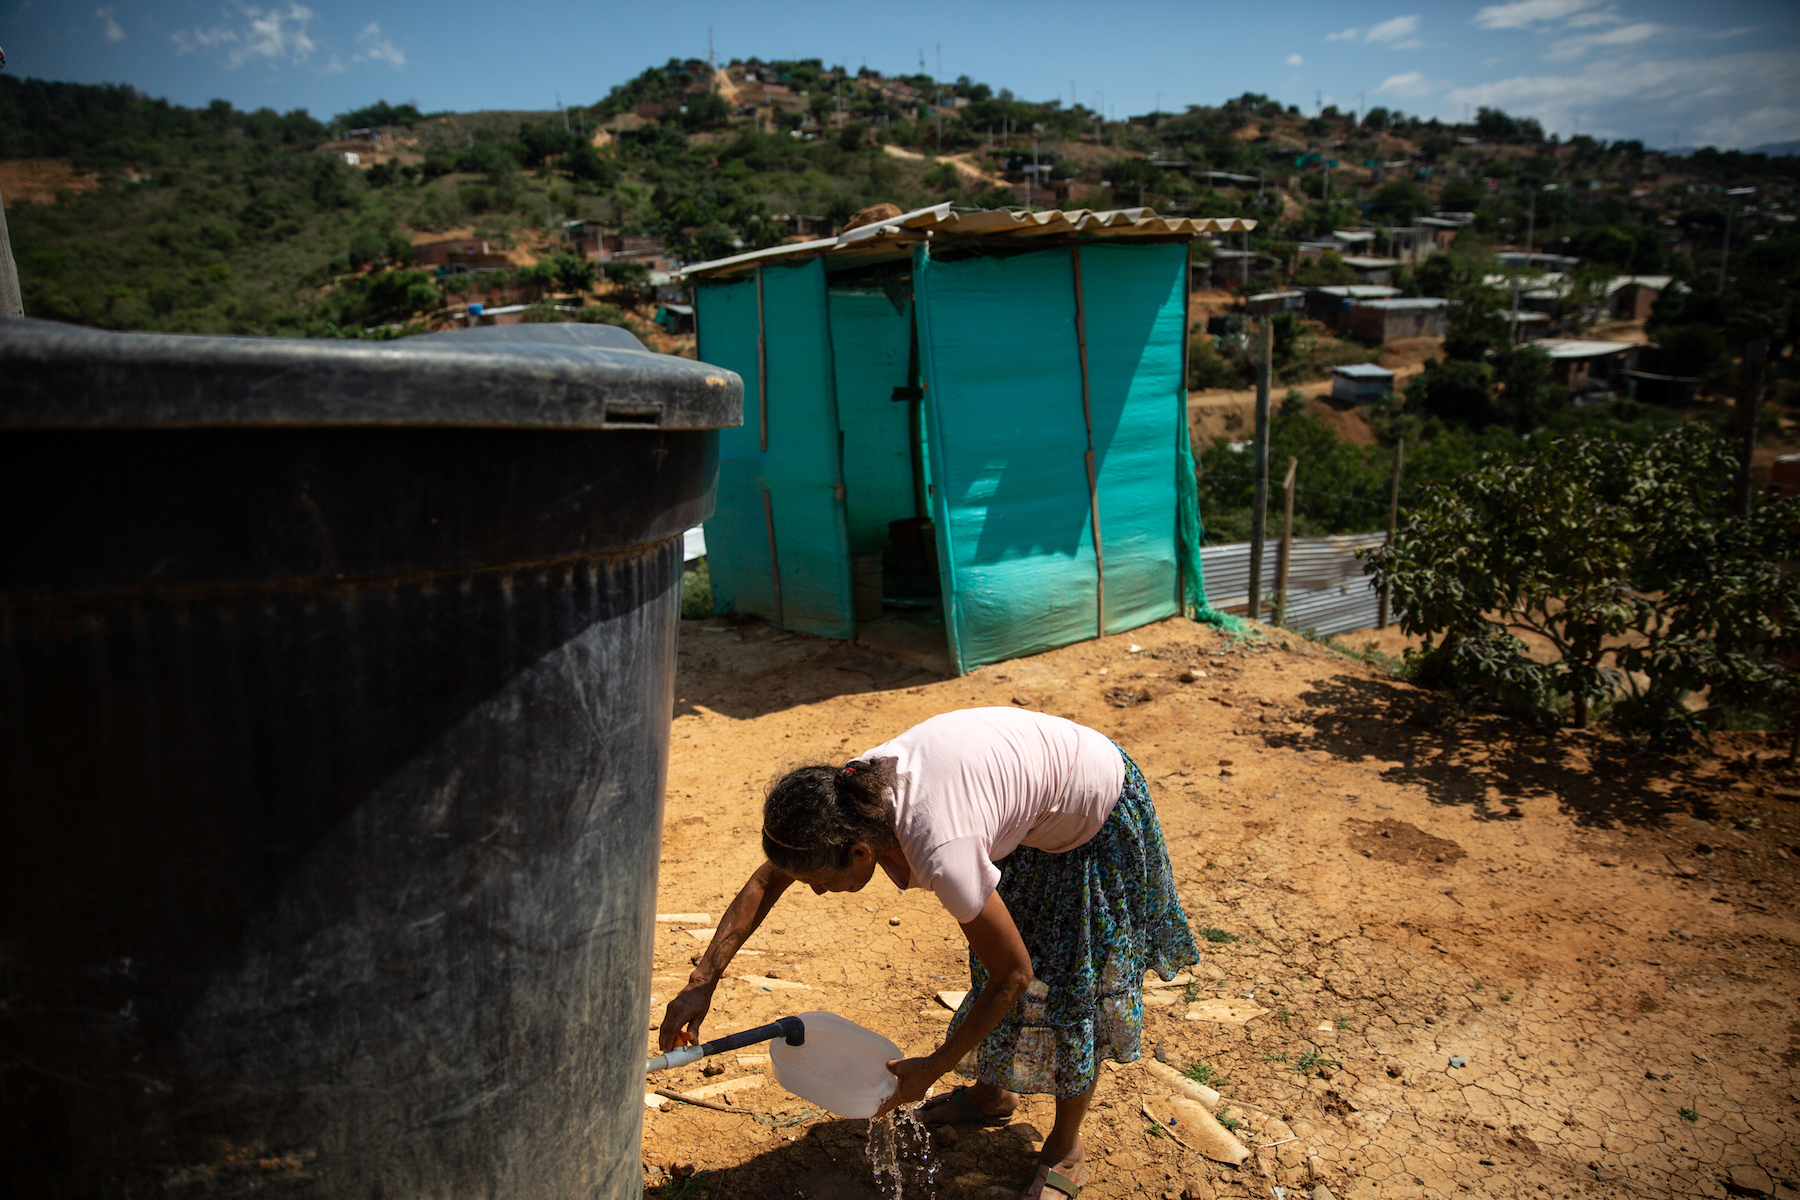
{"points": [[272, 35], [1523, 14], [1394, 29], [1732, 100], [1294, 60], [376, 48], [1573, 48], [111, 27], [1410, 84]]}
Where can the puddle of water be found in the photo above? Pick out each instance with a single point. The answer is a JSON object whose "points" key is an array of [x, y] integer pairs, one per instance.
{"points": [[900, 1152]]}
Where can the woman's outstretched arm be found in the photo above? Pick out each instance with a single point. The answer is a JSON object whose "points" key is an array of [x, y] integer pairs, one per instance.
{"points": [[996, 942], [682, 1018]]}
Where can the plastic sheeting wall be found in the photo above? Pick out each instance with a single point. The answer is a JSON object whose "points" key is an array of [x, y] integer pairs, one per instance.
{"points": [[1134, 312], [1003, 387], [801, 469], [871, 344], [1002, 370]]}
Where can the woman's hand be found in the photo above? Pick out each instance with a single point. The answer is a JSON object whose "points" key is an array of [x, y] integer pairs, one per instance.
{"points": [[916, 1076], [681, 1019]]}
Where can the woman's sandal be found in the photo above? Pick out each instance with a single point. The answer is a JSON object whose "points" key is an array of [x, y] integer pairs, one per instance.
{"points": [[1054, 1179], [971, 1115]]}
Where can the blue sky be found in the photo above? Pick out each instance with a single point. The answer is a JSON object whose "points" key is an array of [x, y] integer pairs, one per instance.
{"points": [[1725, 73]]}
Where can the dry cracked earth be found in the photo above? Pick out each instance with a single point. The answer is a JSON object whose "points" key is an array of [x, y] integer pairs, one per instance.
{"points": [[1475, 957]]}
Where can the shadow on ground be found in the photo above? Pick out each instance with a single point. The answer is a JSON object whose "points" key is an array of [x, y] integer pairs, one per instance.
{"points": [[1492, 765], [830, 1161], [749, 669]]}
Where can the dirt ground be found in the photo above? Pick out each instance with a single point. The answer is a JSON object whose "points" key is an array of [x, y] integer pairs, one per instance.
{"points": [[38, 180], [1515, 963]]}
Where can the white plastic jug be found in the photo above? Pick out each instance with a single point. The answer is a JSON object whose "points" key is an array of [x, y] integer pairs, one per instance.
{"points": [[842, 1067]]}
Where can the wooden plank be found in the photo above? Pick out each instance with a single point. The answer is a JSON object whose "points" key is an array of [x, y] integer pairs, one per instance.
{"points": [[1093, 474]]}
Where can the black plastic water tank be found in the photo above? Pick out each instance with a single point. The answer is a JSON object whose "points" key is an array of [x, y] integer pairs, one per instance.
{"points": [[335, 687]]}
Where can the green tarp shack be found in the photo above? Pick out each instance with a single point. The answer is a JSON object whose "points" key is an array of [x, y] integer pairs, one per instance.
{"points": [[992, 402]]}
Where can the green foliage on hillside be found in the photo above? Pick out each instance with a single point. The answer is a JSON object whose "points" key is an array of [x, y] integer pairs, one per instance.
{"points": [[1630, 561]]}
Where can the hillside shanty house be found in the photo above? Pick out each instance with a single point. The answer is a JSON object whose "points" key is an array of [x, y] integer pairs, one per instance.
{"points": [[1371, 268], [1361, 383], [986, 408], [1397, 317], [1631, 297], [1331, 304], [460, 255], [1582, 365]]}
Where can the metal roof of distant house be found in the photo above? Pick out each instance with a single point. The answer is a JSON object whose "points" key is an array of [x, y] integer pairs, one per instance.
{"points": [[1655, 283], [1358, 291], [1577, 348], [1368, 262], [1353, 235], [1363, 371], [1401, 303], [896, 236]]}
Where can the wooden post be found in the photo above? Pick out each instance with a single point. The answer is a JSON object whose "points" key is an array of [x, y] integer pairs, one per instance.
{"points": [[762, 371], [774, 559], [1259, 511], [1749, 412], [1284, 556], [1093, 474], [10, 305], [1387, 591]]}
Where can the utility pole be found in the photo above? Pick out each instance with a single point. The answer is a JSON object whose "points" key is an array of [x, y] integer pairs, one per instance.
{"points": [[938, 91], [1725, 247], [10, 305], [1034, 163], [1381, 616], [1259, 511], [1749, 412], [1284, 555], [1530, 230], [1512, 324]]}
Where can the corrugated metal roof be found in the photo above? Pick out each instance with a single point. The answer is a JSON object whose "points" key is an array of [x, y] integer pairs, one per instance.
{"points": [[1369, 262], [898, 235], [1358, 291], [1402, 303], [1327, 590], [1576, 348], [1363, 371]]}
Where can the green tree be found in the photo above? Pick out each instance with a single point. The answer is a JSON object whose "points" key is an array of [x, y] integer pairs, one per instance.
{"points": [[1529, 392], [1455, 391], [633, 275], [585, 164], [367, 247], [572, 274], [1399, 201], [1628, 560]]}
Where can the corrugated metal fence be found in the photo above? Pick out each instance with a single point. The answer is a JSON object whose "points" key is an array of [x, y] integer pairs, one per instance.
{"points": [[1327, 590]]}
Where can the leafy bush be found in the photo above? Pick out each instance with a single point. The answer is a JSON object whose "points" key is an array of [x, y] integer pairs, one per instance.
{"points": [[1627, 560], [634, 275], [1207, 368]]}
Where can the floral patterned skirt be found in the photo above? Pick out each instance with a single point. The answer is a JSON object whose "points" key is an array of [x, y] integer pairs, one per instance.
{"points": [[1094, 920]]}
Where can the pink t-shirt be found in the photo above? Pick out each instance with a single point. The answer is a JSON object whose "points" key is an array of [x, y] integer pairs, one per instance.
{"points": [[972, 786]]}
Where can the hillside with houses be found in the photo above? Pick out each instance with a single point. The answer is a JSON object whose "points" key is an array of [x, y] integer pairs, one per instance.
{"points": [[1492, 279]]}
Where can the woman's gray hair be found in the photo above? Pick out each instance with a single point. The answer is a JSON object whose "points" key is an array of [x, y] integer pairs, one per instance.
{"points": [[814, 815]]}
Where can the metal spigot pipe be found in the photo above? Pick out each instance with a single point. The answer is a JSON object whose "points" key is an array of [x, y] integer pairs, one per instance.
{"points": [[791, 1029]]}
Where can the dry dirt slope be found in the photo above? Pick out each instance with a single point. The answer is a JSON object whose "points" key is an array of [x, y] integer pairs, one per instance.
{"points": [[1606, 938]]}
